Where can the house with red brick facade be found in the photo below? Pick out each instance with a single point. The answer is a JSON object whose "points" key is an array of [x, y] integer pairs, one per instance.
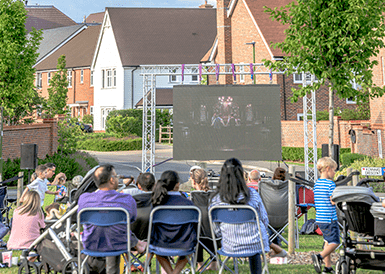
{"points": [[243, 26], [79, 51]]}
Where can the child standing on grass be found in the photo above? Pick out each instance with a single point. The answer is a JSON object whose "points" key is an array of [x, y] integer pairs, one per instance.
{"points": [[326, 214]]}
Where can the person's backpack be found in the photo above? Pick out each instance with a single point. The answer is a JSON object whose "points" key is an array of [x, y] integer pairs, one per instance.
{"points": [[310, 227]]}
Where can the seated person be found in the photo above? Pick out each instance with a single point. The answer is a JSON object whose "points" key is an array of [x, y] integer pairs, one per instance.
{"points": [[180, 237], [61, 188], [109, 238], [254, 179], [28, 219], [144, 183], [200, 182]]}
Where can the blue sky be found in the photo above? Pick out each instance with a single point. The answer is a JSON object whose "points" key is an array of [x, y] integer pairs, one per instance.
{"points": [[76, 9]]}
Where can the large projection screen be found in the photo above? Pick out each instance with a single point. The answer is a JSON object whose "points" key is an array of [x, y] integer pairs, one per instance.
{"points": [[224, 121]]}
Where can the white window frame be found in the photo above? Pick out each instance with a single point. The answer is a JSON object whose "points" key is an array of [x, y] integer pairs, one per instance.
{"points": [[92, 78], [109, 78], [241, 76], [104, 113], [48, 77], [299, 116], [297, 79], [92, 110], [350, 101], [173, 78], [192, 78], [383, 70], [81, 76], [39, 80], [69, 78]]}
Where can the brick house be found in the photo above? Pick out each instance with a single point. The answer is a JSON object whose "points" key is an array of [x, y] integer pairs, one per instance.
{"points": [[79, 51], [240, 24]]}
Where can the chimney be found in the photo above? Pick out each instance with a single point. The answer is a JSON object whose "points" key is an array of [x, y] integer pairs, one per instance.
{"points": [[206, 6], [84, 19], [224, 55]]}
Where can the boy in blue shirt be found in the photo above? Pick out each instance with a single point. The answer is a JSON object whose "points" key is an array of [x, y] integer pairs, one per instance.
{"points": [[326, 214]]}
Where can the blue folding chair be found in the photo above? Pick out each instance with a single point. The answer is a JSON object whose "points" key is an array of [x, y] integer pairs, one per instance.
{"points": [[104, 217], [173, 215], [234, 214]]}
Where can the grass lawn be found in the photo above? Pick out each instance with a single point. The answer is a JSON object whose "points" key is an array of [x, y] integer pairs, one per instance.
{"points": [[306, 242]]}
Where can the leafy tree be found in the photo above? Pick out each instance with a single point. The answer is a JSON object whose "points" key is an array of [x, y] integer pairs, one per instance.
{"points": [[336, 41], [17, 56], [57, 92]]}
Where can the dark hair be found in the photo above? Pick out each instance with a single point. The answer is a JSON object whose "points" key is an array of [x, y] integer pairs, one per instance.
{"points": [[167, 182], [50, 165], [232, 184], [279, 174], [103, 174], [146, 181]]}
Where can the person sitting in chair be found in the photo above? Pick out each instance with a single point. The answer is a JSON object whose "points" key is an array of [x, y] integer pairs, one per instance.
{"points": [[144, 183], [114, 238]]}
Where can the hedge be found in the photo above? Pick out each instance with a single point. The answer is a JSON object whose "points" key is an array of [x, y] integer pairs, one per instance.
{"points": [[349, 158], [110, 145], [78, 163], [298, 153]]}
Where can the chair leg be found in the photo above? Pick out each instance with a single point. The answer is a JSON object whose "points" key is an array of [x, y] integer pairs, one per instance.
{"points": [[223, 265], [82, 265], [265, 268], [191, 262], [235, 261], [147, 263]]}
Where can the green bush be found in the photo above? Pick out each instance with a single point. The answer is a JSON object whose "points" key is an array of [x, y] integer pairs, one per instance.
{"points": [[68, 133], [349, 158], [110, 145], [298, 153], [322, 115], [366, 162], [163, 117], [88, 119], [124, 125], [78, 163]]}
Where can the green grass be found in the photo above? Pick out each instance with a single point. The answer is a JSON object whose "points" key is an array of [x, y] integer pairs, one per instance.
{"points": [[306, 242]]}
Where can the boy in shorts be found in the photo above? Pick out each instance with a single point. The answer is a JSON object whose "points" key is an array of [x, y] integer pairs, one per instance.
{"points": [[326, 214]]}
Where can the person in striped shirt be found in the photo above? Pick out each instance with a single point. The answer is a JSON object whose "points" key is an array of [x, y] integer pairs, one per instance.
{"points": [[326, 214]]}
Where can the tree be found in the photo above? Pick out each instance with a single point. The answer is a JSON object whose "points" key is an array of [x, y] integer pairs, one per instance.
{"points": [[57, 92], [17, 56], [336, 41]]}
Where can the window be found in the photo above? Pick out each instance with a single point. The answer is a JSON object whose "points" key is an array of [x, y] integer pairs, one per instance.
{"points": [[350, 101], [241, 76], [194, 78], [81, 76], [105, 112], [92, 78], [108, 78], [38, 81], [173, 78], [297, 79], [92, 110], [48, 78], [69, 78]]}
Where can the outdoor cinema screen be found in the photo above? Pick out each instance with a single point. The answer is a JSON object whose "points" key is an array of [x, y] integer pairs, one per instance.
{"points": [[220, 122]]}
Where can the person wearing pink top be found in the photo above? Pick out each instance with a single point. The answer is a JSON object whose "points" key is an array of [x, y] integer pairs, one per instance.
{"points": [[28, 219]]}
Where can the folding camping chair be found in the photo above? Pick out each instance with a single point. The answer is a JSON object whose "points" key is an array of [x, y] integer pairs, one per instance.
{"points": [[201, 199], [104, 217], [235, 214], [175, 216], [275, 197]]}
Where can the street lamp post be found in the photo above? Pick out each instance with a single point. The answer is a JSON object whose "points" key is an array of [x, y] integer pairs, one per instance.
{"points": [[253, 43]]}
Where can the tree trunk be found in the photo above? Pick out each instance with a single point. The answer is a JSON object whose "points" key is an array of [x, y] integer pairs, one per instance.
{"points": [[331, 120]]}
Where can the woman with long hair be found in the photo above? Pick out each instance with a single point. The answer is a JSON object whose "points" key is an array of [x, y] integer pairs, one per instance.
{"points": [[232, 189], [200, 182], [27, 221], [171, 236]]}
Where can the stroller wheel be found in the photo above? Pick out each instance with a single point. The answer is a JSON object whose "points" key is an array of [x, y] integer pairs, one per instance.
{"points": [[28, 268], [71, 267], [342, 267], [44, 268]]}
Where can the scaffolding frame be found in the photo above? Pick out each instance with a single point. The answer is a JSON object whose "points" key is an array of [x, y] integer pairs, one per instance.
{"points": [[149, 73], [310, 129]]}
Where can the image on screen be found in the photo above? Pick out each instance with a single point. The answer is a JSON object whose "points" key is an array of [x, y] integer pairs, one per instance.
{"points": [[222, 121]]}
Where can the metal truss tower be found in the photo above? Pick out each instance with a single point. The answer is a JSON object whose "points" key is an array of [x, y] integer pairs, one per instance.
{"points": [[310, 129], [149, 73]]}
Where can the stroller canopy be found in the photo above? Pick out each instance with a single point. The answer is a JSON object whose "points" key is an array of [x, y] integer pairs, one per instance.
{"points": [[354, 194], [377, 210]]}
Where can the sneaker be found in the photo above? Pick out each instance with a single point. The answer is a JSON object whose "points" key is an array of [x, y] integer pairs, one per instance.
{"points": [[329, 270], [316, 262]]}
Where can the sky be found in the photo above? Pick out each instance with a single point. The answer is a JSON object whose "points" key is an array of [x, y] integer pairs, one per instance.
{"points": [[77, 9]]}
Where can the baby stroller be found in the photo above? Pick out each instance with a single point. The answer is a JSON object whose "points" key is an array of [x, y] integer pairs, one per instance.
{"points": [[55, 246], [356, 202]]}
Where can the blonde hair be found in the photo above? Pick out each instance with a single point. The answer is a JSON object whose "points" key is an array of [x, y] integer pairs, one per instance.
{"points": [[200, 177], [325, 162], [31, 204]]}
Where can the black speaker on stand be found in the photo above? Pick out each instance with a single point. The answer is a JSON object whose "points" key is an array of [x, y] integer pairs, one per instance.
{"points": [[335, 153], [28, 157]]}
